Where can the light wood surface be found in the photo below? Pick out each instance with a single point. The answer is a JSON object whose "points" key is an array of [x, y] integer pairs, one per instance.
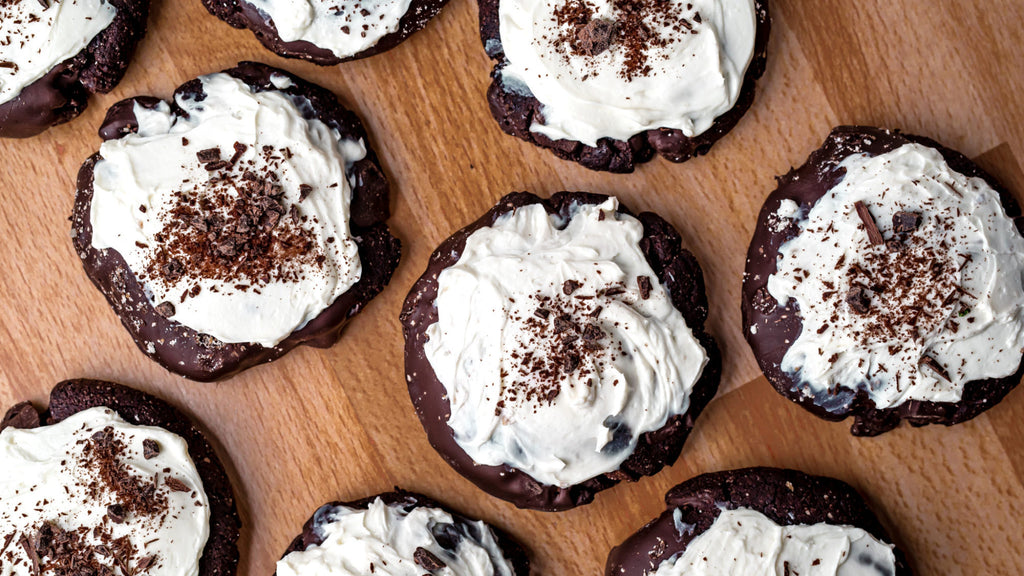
{"points": [[338, 424]]}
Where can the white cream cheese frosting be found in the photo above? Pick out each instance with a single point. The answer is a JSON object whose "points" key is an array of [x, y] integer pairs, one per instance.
{"points": [[344, 27], [556, 384], [36, 38], [142, 178], [746, 542], [689, 72], [944, 302], [52, 477], [383, 540]]}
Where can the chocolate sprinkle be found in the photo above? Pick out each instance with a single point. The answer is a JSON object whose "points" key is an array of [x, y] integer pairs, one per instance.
{"points": [[427, 559]]}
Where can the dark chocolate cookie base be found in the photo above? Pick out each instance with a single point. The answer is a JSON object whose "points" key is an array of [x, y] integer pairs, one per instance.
{"points": [[197, 356], [787, 497], [512, 550], [220, 555], [805, 186], [241, 14], [677, 270], [515, 112], [63, 93]]}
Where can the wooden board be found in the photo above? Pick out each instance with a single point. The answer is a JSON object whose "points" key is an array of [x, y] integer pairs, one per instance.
{"points": [[327, 424]]}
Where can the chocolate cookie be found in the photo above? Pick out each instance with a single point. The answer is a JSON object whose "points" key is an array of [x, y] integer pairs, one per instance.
{"points": [[327, 33], [574, 89], [107, 459], [57, 54], [410, 515], [569, 319], [883, 283], [217, 249], [702, 510]]}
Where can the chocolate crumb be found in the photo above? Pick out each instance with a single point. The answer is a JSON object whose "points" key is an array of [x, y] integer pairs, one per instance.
{"points": [[644, 283], [208, 155], [177, 485], [874, 235], [116, 513], [165, 309], [596, 36], [150, 449], [858, 299], [427, 560], [905, 222]]}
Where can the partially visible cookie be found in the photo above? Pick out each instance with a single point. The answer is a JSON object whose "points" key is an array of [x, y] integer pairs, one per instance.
{"points": [[608, 84], [760, 521], [556, 347], [885, 281], [108, 478], [55, 53], [400, 533], [327, 33], [243, 219]]}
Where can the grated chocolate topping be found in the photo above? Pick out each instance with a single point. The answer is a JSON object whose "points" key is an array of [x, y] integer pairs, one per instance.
{"points": [[237, 228], [564, 343], [641, 29]]}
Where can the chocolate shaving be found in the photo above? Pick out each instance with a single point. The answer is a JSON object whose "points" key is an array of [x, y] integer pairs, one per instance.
{"points": [[644, 283], [570, 286], [596, 36], [177, 485], [30, 551], [542, 313], [8, 64], [905, 222], [217, 165], [858, 299], [427, 560], [874, 235], [239, 150], [208, 155], [150, 449], [165, 309], [116, 513], [935, 367]]}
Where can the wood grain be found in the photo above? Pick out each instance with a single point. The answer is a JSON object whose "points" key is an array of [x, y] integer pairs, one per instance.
{"points": [[332, 424]]}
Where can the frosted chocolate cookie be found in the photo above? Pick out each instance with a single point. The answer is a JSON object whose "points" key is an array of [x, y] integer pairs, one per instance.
{"points": [[400, 534], [608, 83], [55, 53], [326, 32], [242, 219], [884, 281], [109, 480], [760, 521], [556, 347]]}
